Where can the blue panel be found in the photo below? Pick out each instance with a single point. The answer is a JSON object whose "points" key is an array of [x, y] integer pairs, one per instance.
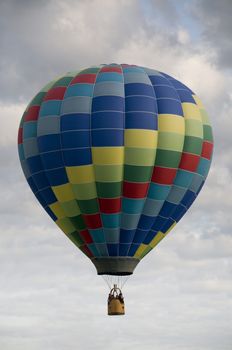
{"points": [[49, 142], [132, 206], [158, 224], [146, 222], [77, 157], [97, 235], [57, 177], [93, 249], [51, 214], [183, 178], [41, 200], [34, 164], [149, 237], [140, 103], [29, 130], [107, 120], [74, 121], [48, 196], [139, 89], [166, 91], [102, 138], [141, 120], [178, 85], [52, 160], [107, 76], [50, 108], [179, 212], [158, 80], [40, 180], [21, 152], [167, 106], [111, 220], [203, 167], [139, 236], [75, 139], [79, 90], [123, 249], [167, 225], [126, 236], [32, 184], [188, 198], [185, 96], [159, 192], [107, 103], [167, 209], [112, 249], [133, 249]]}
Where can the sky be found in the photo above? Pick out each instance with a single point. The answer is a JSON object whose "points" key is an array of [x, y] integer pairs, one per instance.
{"points": [[180, 296]]}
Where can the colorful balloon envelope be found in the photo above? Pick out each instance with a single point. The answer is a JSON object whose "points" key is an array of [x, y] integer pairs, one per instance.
{"points": [[116, 154]]}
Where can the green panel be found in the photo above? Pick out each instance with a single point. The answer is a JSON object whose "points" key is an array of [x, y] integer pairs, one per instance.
{"points": [[170, 141], [192, 145], [37, 100], [169, 159], [208, 135], [85, 190], [98, 236], [145, 252], [108, 173], [137, 173], [70, 208], [49, 86], [78, 222], [109, 189], [64, 81], [204, 116], [139, 156], [75, 238], [89, 206], [193, 127]]}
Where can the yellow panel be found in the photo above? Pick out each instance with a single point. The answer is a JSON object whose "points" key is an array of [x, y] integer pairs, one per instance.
{"points": [[108, 155], [63, 192], [57, 210], [191, 111], [140, 250], [66, 225], [170, 228], [156, 239], [198, 101], [171, 123], [80, 174], [140, 138]]}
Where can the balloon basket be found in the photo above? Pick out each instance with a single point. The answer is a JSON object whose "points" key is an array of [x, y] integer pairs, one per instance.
{"points": [[116, 306]]}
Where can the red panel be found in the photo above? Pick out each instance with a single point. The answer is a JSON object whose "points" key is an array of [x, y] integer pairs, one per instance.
{"points": [[110, 205], [207, 150], [57, 93], [189, 161], [20, 135], [93, 221], [85, 235], [163, 176], [32, 114], [111, 69], [84, 78], [86, 251], [135, 189]]}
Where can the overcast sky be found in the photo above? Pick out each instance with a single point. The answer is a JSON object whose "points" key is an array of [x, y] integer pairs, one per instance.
{"points": [[180, 296]]}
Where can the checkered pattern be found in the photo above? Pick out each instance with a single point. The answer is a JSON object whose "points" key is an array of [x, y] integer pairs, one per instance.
{"points": [[116, 155]]}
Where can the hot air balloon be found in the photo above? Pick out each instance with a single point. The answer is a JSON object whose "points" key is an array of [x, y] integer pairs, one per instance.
{"points": [[116, 154]]}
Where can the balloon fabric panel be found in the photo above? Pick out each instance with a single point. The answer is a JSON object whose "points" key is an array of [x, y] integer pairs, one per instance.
{"points": [[116, 155]]}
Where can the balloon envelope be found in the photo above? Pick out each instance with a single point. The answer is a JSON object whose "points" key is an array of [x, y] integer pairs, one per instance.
{"points": [[116, 155]]}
